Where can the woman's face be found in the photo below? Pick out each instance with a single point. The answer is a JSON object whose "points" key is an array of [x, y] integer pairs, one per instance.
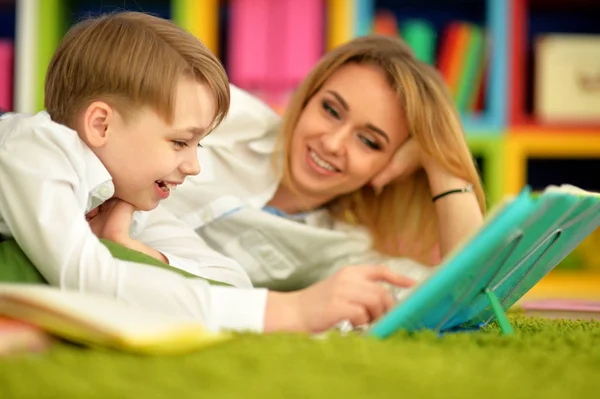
{"points": [[347, 133]]}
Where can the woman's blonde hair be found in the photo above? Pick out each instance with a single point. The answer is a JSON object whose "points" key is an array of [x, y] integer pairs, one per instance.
{"points": [[402, 218], [129, 59]]}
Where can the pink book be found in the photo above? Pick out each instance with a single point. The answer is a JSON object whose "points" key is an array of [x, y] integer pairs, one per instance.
{"points": [[563, 308], [6, 75], [248, 46], [296, 32], [301, 42]]}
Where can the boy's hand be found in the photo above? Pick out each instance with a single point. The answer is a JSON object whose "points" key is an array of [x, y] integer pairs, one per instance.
{"points": [[112, 220], [354, 293]]}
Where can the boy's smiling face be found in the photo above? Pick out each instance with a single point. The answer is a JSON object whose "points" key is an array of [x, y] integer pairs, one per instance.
{"points": [[146, 156]]}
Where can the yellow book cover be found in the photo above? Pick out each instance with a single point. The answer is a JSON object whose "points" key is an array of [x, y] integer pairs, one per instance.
{"points": [[101, 321]]}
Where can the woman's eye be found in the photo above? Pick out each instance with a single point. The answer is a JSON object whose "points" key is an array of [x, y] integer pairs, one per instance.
{"points": [[330, 110], [180, 144], [370, 143]]}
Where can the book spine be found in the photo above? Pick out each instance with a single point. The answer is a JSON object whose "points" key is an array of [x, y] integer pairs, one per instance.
{"points": [[248, 43], [6, 75]]}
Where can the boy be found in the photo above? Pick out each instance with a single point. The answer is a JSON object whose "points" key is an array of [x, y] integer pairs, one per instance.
{"points": [[128, 98]]}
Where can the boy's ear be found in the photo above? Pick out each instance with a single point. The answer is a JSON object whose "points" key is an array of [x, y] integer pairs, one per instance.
{"points": [[96, 120]]}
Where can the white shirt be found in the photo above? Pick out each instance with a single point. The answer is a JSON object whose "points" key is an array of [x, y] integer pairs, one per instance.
{"points": [[49, 180], [224, 204]]}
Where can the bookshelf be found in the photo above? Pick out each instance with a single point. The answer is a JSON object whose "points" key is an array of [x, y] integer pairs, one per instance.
{"points": [[492, 16], [531, 20], [541, 152], [511, 144]]}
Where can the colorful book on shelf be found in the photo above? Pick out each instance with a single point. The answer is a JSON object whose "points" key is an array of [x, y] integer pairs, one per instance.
{"points": [[420, 35], [101, 321], [6, 74], [363, 17], [477, 100], [453, 48], [471, 67], [295, 41], [340, 22], [248, 43], [274, 44], [522, 240], [385, 23]]}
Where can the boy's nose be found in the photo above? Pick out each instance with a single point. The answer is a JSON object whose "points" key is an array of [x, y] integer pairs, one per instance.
{"points": [[191, 166]]}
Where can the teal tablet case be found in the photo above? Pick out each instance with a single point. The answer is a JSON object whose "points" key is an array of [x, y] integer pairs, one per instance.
{"points": [[522, 240]]}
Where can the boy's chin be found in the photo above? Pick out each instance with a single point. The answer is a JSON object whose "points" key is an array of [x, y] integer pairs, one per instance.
{"points": [[146, 206], [143, 204]]}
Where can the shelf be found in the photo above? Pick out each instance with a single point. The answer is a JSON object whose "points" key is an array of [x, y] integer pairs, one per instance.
{"points": [[488, 152], [529, 20], [529, 125], [521, 146], [566, 284], [481, 125]]}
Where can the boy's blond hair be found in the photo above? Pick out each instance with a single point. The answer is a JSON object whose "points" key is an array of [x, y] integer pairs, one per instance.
{"points": [[129, 60]]}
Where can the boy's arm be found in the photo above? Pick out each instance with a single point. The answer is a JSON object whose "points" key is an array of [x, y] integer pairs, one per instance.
{"points": [[185, 250], [38, 203]]}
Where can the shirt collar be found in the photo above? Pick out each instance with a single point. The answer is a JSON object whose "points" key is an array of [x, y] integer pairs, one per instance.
{"points": [[97, 178]]}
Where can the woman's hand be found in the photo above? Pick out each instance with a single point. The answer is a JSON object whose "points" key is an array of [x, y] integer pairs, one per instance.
{"points": [[355, 293], [408, 159]]}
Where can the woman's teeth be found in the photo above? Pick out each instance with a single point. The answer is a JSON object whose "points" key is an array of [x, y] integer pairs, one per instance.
{"points": [[322, 163]]}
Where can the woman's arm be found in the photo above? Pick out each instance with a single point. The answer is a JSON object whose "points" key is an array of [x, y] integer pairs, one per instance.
{"points": [[458, 214]]}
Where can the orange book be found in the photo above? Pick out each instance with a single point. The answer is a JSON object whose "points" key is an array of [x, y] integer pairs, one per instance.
{"points": [[452, 54], [385, 23]]}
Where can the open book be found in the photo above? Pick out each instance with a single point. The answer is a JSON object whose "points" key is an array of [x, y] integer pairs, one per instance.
{"points": [[522, 240], [103, 321]]}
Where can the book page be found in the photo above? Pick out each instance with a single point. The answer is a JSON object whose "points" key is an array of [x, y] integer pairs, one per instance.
{"points": [[96, 313]]}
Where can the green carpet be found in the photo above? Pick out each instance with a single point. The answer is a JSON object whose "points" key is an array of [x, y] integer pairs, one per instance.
{"points": [[544, 359]]}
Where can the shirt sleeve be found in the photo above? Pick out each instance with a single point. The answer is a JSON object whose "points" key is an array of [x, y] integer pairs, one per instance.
{"points": [[39, 204], [248, 118], [186, 250], [404, 266]]}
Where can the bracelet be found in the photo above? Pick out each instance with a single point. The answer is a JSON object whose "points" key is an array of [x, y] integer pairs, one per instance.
{"points": [[458, 190]]}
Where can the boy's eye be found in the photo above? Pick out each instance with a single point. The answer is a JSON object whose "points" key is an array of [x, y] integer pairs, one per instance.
{"points": [[370, 143], [330, 110], [180, 144]]}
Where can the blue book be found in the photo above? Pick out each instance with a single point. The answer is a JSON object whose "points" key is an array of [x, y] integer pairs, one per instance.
{"points": [[522, 240]]}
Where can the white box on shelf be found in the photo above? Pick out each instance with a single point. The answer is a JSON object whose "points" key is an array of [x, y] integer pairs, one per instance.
{"points": [[567, 78]]}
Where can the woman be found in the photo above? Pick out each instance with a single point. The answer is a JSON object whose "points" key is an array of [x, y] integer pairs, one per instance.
{"points": [[368, 166]]}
